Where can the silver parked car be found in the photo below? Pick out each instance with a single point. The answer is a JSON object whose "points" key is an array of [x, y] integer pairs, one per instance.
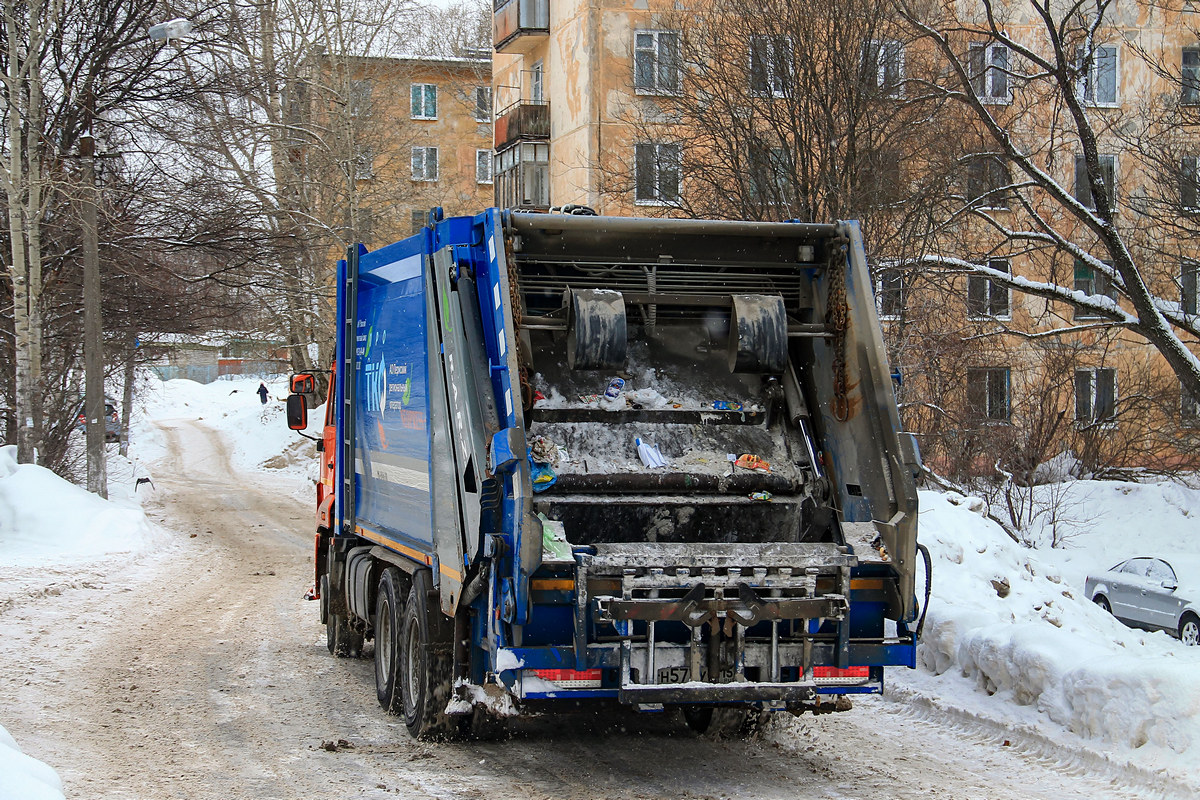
{"points": [[1150, 593]]}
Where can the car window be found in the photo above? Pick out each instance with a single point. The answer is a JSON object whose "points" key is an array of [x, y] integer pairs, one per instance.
{"points": [[1136, 566], [1160, 570]]}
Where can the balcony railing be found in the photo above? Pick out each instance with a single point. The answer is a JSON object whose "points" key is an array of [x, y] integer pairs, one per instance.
{"points": [[517, 25], [525, 119]]}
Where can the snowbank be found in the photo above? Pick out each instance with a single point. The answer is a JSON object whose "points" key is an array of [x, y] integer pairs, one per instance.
{"points": [[25, 778], [1012, 636], [45, 519], [258, 435]]}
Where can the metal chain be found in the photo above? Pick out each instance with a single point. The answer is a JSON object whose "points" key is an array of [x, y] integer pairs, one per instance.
{"points": [[837, 317], [514, 296]]}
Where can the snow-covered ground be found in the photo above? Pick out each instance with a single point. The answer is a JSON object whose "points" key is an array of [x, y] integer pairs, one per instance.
{"points": [[1042, 660]]}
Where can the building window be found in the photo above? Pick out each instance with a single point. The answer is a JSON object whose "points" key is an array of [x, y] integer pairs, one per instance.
{"points": [[1189, 406], [1095, 395], [988, 393], [424, 163], [989, 72], [424, 101], [358, 98], [1083, 186], [1189, 283], [656, 62], [657, 169], [1097, 78], [889, 293], [987, 177], [1090, 281], [770, 65], [1191, 76], [986, 297], [537, 85], [522, 176], [418, 219], [1189, 183], [483, 104], [883, 66], [878, 179], [483, 166], [769, 175], [364, 164]]}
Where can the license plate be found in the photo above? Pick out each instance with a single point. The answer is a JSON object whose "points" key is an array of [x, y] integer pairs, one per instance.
{"points": [[682, 674]]}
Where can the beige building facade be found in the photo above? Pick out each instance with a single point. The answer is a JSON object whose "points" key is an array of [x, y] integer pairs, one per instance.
{"points": [[1006, 367]]}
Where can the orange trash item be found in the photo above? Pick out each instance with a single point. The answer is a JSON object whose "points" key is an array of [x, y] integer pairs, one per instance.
{"points": [[749, 461]]}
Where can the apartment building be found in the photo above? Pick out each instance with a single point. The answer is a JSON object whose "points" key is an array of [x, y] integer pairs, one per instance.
{"points": [[586, 114], [409, 134]]}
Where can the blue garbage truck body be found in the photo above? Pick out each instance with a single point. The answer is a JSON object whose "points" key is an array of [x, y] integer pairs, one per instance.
{"points": [[486, 516]]}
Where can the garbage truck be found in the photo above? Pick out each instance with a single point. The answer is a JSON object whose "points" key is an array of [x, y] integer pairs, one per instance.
{"points": [[650, 462]]}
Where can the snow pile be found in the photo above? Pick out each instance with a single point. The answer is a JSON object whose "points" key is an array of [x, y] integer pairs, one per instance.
{"points": [[1010, 626], [45, 519], [258, 435], [25, 778]]}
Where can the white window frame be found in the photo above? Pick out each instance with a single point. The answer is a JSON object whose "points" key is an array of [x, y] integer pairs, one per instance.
{"points": [[990, 290], [989, 72], [537, 82], [776, 79], [358, 97], [1089, 417], [1189, 287], [1189, 173], [882, 49], [655, 60], [1090, 79], [1099, 280], [1189, 77], [882, 290], [660, 149], [990, 202], [363, 164], [423, 111], [1189, 407], [483, 100], [990, 374], [1090, 203], [484, 158], [423, 176]]}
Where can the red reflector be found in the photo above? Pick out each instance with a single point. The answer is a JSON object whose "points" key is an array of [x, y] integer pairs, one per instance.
{"points": [[848, 672], [561, 675]]}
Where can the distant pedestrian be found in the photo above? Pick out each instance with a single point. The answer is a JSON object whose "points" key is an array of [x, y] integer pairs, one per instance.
{"points": [[263, 392]]}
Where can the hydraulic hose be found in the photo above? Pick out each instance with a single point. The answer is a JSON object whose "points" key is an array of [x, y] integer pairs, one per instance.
{"points": [[928, 586]]}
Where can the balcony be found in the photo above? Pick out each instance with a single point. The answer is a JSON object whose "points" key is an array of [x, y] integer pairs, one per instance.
{"points": [[524, 120], [518, 25]]}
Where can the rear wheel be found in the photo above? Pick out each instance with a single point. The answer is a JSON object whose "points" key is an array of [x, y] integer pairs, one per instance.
{"points": [[1102, 601], [388, 618], [426, 663], [342, 640], [1189, 630]]}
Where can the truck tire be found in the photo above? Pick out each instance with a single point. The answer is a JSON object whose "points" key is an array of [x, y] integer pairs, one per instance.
{"points": [[426, 664], [342, 640], [389, 616]]}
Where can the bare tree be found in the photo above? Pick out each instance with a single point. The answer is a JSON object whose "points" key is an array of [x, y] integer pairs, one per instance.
{"points": [[1031, 81]]}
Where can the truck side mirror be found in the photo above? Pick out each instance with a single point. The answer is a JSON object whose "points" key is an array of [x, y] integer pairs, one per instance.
{"points": [[304, 383], [297, 412]]}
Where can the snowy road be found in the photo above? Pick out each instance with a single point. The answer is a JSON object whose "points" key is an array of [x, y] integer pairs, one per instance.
{"points": [[200, 672]]}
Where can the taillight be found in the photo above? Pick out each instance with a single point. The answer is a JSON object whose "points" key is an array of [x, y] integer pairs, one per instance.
{"points": [[834, 675], [569, 678]]}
